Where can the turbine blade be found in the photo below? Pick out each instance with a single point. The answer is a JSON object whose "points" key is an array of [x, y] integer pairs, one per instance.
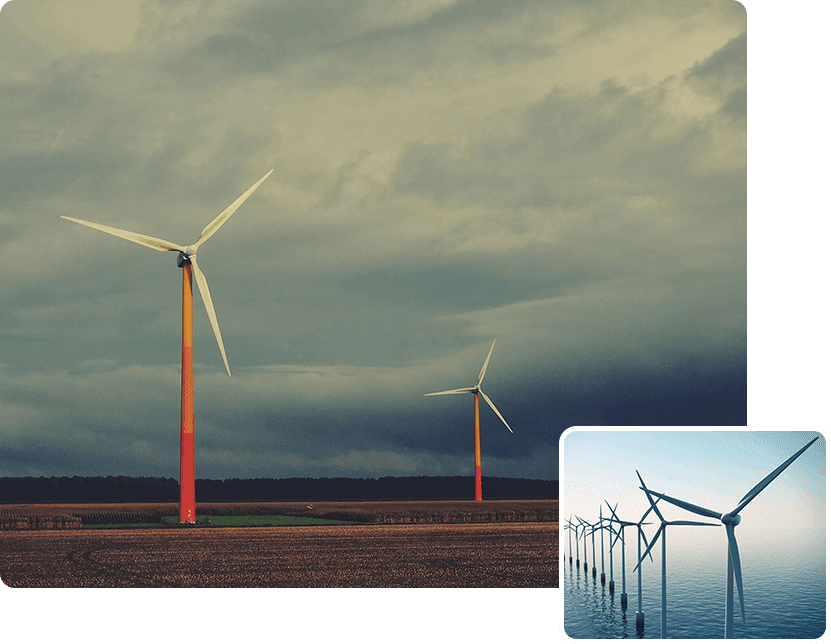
{"points": [[737, 566], [764, 482], [145, 240], [651, 543], [649, 496], [688, 506], [490, 402], [689, 523], [614, 516], [643, 536], [212, 227], [485, 366], [466, 390], [202, 283]]}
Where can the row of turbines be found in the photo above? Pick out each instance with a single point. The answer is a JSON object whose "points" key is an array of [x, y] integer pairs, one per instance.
{"points": [[614, 526], [186, 260]]}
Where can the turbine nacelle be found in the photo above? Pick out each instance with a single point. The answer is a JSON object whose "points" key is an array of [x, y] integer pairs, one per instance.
{"points": [[182, 259], [729, 519]]}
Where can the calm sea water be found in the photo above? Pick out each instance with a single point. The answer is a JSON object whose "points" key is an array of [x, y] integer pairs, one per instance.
{"points": [[784, 597]]}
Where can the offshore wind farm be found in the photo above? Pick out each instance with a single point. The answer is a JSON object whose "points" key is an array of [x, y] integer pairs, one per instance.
{"points": [[779, 589]]}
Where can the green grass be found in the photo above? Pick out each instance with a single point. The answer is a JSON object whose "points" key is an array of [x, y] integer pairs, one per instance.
{"points": [[227, 522]]}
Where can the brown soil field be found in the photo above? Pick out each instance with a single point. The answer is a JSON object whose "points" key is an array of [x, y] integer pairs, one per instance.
{"points": [[495, 555], [75, 516]]}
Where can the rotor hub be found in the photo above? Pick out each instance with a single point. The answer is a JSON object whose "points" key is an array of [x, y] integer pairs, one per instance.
{"points": [[729, 519], [182, 259]]}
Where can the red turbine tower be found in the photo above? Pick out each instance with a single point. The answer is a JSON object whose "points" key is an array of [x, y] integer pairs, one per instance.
{"points": [[190, 269]]}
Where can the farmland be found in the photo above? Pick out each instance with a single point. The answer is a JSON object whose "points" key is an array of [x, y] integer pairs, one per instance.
{"points": [[405, 544]]}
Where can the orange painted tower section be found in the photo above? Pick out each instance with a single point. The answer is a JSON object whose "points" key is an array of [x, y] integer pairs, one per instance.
{"points": [[187, 474], [477, 458]]}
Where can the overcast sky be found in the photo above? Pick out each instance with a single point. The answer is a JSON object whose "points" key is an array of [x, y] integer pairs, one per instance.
{"points": [[566, 177]]}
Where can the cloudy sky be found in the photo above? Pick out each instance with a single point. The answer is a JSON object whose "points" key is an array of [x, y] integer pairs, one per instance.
{"points": [[566, 177]]}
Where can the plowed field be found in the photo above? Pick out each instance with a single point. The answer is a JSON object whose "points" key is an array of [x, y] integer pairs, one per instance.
{"points": [[381, 556]]}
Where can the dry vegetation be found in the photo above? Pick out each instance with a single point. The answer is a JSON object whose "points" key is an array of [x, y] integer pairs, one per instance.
{"points": [[384, 556], [413, 544]]}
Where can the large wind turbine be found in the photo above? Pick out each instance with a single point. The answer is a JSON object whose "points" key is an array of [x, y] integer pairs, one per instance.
{"points": [[476, 390], [731, 520], [186, 261], [662, 531]]}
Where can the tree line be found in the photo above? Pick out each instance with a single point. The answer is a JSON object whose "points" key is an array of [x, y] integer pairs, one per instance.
{"points": [[131, 489]]}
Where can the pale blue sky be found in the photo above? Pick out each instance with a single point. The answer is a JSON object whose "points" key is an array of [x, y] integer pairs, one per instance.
{"points": [[712, 469]]}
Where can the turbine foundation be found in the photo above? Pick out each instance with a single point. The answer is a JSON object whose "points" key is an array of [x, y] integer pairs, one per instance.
{"points": [[639, 619], [594, 571], [611, 585], [624, 600]]}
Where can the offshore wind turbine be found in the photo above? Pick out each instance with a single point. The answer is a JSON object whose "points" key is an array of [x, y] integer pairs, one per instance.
{"points": [[570, 527], [476, 390], [642, 535], [662, 532], [585, 524], [186, 260], [623, 524], [731, 520]]}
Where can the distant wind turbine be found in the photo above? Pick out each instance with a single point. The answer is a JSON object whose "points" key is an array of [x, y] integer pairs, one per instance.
{"points": [[731, 520], [187, 262], [662, 532], [476, 390]]}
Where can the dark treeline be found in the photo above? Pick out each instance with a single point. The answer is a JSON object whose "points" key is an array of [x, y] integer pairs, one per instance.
{"points": [[129, 489]]}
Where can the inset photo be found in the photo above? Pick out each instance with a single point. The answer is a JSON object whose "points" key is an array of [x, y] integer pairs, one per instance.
{"points": [[692, 533]]}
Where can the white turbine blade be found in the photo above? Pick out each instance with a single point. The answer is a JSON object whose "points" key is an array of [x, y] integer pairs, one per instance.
{"points": [[613, 512], [212, 227], [649, 496], [764, 482], [466, 390], [202, 283], [643, 536], [689, 523], [490, 402], [649, 548], [688, 506], [485, 365], [737, 566], [145, 240]]}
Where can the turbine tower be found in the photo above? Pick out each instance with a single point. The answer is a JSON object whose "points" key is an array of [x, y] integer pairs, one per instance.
{"points": [[731, 520], [187, 262], [623, 524], [639, 613], [662, 532], [570, 527], [476, 390]]}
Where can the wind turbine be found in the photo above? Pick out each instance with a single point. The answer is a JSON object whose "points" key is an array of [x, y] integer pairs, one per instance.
{"points": [[662, 532], [639, 612], [585, 524], [476, 390], [570, 527], [623, 524], [731, 520], [187, 262]]}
